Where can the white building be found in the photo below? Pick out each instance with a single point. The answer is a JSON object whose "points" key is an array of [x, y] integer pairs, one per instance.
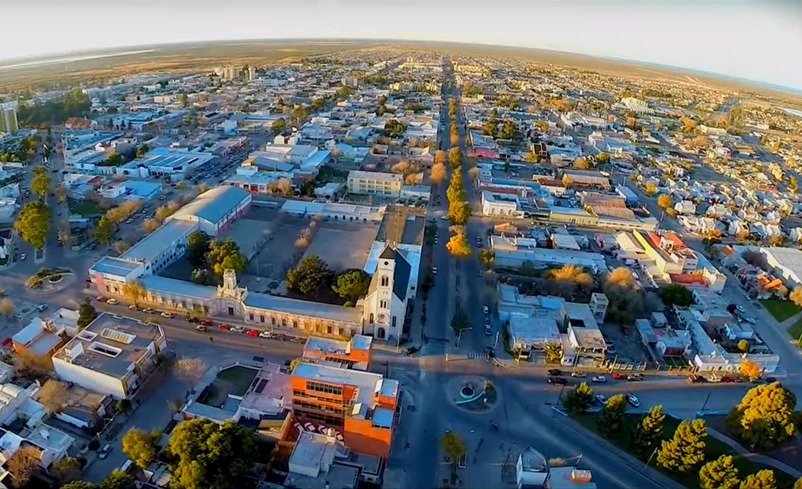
{"points": [[375, 183], [499, 204], [111, 356]]}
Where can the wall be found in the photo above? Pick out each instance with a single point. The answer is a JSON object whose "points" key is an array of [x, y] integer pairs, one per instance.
{"points": [[89, 379]]}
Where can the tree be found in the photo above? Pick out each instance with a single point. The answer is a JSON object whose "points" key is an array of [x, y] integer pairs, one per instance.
{"points": [[611, 420], [191, 368], [282, 186], [573, 274], [459, 212], [53, 396], [676, 294], [750, 370], [719, 474], [123, 406], [796, 295], [210, 456], [743, 346], [150, 225], [602, 158], [279, 125], [140, 446], [765, 416], [66, 469], [686, 449], [651, 189], [793, 184], [487, 257], [798, 484], [764, 479], [22, 464], [351, 284], [459, 320], [310, 276], [114, 159], [578, 400], [439, 173], [453, 446], [142, 150], [61, 192], [121, 246], [6, 307], [81, 485], [225, 255], [40, 184], [134, 291], [104, 231], [33, 224], [86, 313], [197, 247], [117, 480], [554, 352], [440, 157], [582, 163], [649, 431], [664, 201], [458, 246]]}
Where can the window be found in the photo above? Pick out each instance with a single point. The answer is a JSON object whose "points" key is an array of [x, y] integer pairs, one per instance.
{"points": [[250, 316], [385, 280], [273, 320], [371, 317], [262, 318], [394, 318], [383, 304]]}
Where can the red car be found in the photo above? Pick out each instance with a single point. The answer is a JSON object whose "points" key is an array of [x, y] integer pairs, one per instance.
{"points": [[253, 333], [618, 376], [207, 322], [223, 327]]}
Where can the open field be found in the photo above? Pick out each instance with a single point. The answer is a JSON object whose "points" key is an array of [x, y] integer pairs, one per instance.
{"points": [[343, 245], [781, 310], [91, 67]]}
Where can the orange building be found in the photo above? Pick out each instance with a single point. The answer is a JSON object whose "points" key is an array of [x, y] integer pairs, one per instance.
{"points": [[360, 405], [353, 353]]}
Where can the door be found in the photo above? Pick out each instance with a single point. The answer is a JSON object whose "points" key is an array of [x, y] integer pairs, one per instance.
{"points": [[230, 311]]}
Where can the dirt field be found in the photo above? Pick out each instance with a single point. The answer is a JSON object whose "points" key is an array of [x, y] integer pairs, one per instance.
{"points": [[343, 245]]}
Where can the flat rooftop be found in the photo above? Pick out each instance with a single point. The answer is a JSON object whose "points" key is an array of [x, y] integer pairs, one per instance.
{"points": [[159, 240], [109, 265], [367, 384], [303, 308], [342, 347], [110, 345], [213, 205]]}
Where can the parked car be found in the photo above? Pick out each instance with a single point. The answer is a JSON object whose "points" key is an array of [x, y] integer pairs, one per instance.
{"points": [[634, 377], [167, 315], [578, 375], [253, 333], [223, 327], [601, 399], [207, 322], [237, 329], [42, 307], [265, 334], [23, 256], [633, 400], [104, 452], [490, 352], [555, 372], [557, 381], [696, 379], [148, 310], [488, 329], [112, 301], [192, 320], [617, 376], [770, 380], [599, 379], [485, 310], [100, 298], [132, 307], [200, 328]]}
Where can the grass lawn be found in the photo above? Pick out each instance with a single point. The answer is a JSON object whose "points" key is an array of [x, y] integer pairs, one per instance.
{"points": [[84, 207], [796, 331], [238, 379], [781, 310], [714, 449]]}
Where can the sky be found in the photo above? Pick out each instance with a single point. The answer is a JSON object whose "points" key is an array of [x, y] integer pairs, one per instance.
{"points": [[756, 40]]}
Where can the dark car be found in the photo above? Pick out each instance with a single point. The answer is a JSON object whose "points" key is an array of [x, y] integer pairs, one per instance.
{"points": [[557, 381], [555, 372], [769, 380]]}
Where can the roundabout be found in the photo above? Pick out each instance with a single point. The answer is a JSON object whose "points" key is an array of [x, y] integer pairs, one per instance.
{"points": [[474, 394]]}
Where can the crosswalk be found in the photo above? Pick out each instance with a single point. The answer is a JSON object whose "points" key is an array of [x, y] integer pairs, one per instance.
{"points": [[476, 354]]}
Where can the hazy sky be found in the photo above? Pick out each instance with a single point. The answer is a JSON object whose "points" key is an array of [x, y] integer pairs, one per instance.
{"points": [[755, 40]]}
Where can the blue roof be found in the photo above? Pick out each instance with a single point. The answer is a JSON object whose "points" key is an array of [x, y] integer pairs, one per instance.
{"points": [[362, 342], [383, 418], [114, 266], [154, 283], [389, 388], [213, 205], [303, 308], [142, 188]]}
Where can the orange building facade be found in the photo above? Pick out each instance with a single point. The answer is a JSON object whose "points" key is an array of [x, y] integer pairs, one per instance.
{"points": [[360, 405]]}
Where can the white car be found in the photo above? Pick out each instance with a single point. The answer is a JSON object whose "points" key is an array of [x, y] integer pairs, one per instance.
{"points": [[485, 310], [112, 301], [633, 400], [578, 375], [599, 379], [434, 270], [104, 452], [265, 334], [237, 329], [167, 315]]}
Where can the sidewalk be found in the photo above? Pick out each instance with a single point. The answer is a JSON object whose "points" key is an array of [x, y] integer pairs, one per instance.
{"points": [[754, 457]]}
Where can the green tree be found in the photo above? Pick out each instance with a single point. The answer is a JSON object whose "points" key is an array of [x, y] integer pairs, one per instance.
{"points": [[764, 479], [279, 125], [118, 480], [66, 469], [104, 231], [676, 294], [743, 346], [459, 320], [602, 158], [554, 352], [487, 257], [225, 255], [453, 446], [197, 246], [611, 420], [719, 474], [114, 159], [140, 446], [210, 456], [351, 284], [86, 313], [142, 150], [765, 416], [79, 485], [578, 400], [310, 276], [40, 184], [686, 449], [793, 184], [649, 431], [33, 224]]}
